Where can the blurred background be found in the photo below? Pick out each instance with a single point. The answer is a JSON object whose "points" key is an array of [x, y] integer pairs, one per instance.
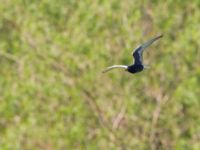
{"points": [[54, 96]]}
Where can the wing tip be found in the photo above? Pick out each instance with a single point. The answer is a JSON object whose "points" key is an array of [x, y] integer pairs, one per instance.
{"points": [[104, 71], [160, 36]]}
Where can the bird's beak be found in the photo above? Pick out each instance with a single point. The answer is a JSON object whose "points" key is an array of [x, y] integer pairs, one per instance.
{"points": [[148, 43]]}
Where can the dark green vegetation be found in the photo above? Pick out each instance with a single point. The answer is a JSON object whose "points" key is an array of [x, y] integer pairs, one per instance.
{"points": [[52, 92]]}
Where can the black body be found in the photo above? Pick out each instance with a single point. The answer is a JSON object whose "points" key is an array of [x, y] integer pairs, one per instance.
{"points": [[138, 64], [135, 68]]}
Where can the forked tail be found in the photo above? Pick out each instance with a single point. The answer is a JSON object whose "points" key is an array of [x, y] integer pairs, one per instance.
{"points": [[115, 66]]}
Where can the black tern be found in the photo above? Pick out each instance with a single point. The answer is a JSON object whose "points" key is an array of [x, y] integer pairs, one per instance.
{"points": [[138, 65]]}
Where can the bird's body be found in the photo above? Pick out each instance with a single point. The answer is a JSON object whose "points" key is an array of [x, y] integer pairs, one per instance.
{"points": [[138, 65], [135, 68]]}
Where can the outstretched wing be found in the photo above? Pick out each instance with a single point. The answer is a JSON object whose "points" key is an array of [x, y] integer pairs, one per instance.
{"points": [[137, 54], [114, 66]]}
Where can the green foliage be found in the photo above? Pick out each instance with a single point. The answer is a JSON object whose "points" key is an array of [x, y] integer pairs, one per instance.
{"points": [[52, 92]]}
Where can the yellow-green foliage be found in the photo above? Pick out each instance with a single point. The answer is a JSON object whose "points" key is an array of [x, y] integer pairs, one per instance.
{"points": [[54, 96]]}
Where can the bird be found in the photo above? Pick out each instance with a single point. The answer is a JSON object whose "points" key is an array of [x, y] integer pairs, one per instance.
{"points": [[137, 65]]}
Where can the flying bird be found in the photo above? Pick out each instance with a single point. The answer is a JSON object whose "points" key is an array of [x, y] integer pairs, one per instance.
{"points": [[138, 65]]}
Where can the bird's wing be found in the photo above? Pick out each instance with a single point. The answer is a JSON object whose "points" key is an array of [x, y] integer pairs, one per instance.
{"points": [[114, 66], [137, 53]]}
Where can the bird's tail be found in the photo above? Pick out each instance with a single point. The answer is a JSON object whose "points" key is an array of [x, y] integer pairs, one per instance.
{"points": [[115, 66]]}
